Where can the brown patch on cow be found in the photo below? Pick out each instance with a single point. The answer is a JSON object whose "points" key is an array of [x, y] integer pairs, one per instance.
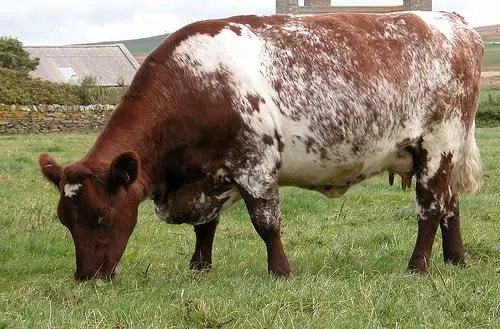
{"points": [[466, 65], [278, 85], [259, 22], [268, 140], [407, 142], [453, 249], [235, 29], [388, 58], [309, 145], [255, 101], [279, 138], [438, 185]]}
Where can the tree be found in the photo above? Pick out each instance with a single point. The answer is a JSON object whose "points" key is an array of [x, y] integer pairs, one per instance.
{"points": [[14, 57]]}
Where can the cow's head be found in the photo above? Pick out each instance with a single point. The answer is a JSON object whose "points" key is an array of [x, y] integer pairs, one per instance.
{"points": [[98, 204]]}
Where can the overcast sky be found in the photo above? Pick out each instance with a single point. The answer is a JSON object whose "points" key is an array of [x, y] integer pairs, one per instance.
{"points": [[59, 22]]}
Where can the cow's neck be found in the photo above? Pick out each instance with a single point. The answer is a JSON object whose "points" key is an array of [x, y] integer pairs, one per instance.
{"points": [[129, 129]]}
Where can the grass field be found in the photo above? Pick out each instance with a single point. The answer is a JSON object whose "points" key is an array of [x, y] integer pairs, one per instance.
{"points": [[491, 60], [348, 256], [491, 95]]}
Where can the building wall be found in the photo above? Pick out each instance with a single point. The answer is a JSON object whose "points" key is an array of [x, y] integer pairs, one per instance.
{"points": [[417, 4], [317, 3], [53, 118], [324, 6], [287, 7]]}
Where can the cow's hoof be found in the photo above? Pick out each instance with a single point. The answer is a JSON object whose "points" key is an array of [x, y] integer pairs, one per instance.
{"points": [[418, 265], [199, 265], [456, 260], [280, 272]]}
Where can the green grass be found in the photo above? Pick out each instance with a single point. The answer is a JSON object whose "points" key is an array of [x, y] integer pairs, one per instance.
{"points": [[349, 265], [491, 60], [484, 96]]}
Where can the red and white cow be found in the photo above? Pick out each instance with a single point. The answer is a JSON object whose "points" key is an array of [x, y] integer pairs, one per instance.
{"points": [[229, 109]]}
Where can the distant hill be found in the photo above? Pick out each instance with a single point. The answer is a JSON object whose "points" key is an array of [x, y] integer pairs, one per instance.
{"points": [[489, 33], [142, 45]]}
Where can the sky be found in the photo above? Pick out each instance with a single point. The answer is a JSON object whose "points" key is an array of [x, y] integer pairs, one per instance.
{"points": [[61, 22]]}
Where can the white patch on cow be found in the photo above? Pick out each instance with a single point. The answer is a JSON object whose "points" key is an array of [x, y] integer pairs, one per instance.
{"points": [[70, 190], [446, 138], [445, 221], [437, 21], [203, 198], [221, 176], [420, 212], [232, 196]]}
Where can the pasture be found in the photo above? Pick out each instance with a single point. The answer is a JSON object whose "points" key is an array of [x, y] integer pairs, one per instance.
{"points": [[348, 258], [491, 60]]}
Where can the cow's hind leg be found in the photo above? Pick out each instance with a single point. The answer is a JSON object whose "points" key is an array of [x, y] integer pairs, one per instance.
{"points": [[202, 256], [435, 204], [453, 250]]}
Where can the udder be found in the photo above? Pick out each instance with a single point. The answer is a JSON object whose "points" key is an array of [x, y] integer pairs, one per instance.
{"points": [[402, 164]]}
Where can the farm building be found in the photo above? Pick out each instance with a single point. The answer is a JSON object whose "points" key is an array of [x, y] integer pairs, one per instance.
{"points": [[325, 6], [111, 65]]}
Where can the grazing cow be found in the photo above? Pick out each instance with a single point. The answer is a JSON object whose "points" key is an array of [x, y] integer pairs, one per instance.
{"points": [[229, 109]]}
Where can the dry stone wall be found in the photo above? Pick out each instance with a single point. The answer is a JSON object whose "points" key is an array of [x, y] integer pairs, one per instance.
{"points": [[53, 118]]}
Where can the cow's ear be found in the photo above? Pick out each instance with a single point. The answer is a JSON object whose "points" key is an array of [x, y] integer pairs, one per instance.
{"points": [[124, 169], [51, 169]]}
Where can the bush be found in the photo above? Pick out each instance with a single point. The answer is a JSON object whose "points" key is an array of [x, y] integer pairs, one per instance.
{"points": [[488, 112], [17, 88]]}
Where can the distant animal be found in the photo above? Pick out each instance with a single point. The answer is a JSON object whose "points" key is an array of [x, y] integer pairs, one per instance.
{"points": [[232, 108]]}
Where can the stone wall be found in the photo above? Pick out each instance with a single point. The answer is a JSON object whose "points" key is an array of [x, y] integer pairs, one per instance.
{"points": [[51, 118]]}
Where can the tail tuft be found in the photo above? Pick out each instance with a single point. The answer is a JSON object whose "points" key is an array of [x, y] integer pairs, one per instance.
{"points": [[466, 173]]}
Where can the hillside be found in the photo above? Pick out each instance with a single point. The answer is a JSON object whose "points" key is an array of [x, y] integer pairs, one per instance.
{"points": [[142, 45], [489, 33]]}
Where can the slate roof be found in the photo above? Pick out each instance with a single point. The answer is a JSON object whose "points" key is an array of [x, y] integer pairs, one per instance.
{"points": [[108, 63]]}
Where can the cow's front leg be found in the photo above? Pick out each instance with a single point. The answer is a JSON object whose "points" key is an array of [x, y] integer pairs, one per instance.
{"points": [[266, 218], [434, 199], [202, 256]]}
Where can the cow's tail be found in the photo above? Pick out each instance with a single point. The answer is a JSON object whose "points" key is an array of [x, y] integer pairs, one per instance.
{"points": [[466, 173]]}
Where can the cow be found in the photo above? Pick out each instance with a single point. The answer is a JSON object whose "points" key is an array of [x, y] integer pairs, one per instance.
{"points": [[230, 109]]}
